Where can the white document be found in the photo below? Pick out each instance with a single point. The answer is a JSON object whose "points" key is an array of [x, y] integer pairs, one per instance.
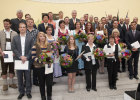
{"points": [[10, 57], [62, 48], [8, 45], [108, 50], [135, 44], [89, 54], [100, 32], [21, 66], [48, 70]]}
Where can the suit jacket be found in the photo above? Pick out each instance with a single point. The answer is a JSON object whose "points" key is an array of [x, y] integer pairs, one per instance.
{"points": [[138, 27], [16, 46], [71, 24], [41, 28], [88, 65], [3, 38], [129, 38], [125, 30], [15, 24]]}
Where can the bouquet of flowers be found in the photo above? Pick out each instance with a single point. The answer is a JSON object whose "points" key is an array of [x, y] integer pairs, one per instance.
{"points": [[126, 54], [66, 60], [46, 57], [100, 39], [63, 39], [81, 36], [122, 45], [99, 53], [55, 46]]}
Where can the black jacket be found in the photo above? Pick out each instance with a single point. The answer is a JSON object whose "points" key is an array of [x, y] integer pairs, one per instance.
{"points": [[129, 38], [71, 24], [41, 28], [88, 65]]}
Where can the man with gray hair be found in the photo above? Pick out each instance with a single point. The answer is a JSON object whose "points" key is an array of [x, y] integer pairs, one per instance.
{"points": [[73, 20], [135, 19], [15, 22]]}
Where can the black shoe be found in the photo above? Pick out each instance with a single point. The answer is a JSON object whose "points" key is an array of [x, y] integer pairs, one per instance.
{"points": [[136, 77], [20, 96], [115, 87], [54, 83], [88, 89], [130, 77], [43, 98], [49, 98], [77, 74], [29, 96], [94, 89], [81, 74], [111, 87], [123, 70], [119, 71], [36, 84]]}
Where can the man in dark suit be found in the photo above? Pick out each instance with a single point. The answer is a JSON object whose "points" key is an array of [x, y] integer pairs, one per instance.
{"points": [[132, 36], [42, 26], [96, 22], [15, 22], [73, 20], [121, 22], [21, 47], [135, 19], [126, 27]]}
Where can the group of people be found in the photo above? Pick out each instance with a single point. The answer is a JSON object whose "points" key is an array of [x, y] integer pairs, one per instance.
{"points": [[27, 41]]}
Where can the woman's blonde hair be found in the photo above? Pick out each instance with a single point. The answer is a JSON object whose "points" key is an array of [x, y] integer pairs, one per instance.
{"points": [[90, 36], [38, 40], [116, 31], [71, 36]]}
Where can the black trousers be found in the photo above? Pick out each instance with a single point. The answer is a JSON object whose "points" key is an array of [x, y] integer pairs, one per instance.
{"points": [[35, 76], [45, 80], [91, 77], [133, 70], [123, 64], [112, 68]]}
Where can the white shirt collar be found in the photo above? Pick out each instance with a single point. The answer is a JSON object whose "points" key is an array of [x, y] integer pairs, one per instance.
{"points": [[7, 31], [111, 45], [92, 45]]}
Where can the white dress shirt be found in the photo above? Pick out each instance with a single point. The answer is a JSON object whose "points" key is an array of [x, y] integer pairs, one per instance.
{"points": [[8, 36], [23, 44], [113, 48], [91, 50]]}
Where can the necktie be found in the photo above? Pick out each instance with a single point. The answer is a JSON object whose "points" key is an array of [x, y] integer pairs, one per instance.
{"points": [[46, 25], [133, 33], [127, 27], [74, 21]]}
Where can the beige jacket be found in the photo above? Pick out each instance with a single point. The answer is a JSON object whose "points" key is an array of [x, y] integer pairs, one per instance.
{"points": [[3, 38]]}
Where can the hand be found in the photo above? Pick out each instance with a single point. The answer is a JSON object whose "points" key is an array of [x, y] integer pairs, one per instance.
{"points": [[134, 49], [88, 59], [110, 55], [2, 53], [23, 58], [57, 54], [44, 63]]}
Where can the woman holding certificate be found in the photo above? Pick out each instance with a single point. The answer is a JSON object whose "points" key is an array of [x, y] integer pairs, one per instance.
{"points": [[112, 52], [42, 46], [72, 50], [79, 44], [91, 64]]}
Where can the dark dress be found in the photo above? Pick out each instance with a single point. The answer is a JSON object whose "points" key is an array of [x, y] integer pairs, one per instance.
{"points": [[74, 54]]}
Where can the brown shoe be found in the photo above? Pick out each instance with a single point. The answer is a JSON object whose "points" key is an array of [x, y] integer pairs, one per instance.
{"points": [[5, 87], [13, 86]]}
